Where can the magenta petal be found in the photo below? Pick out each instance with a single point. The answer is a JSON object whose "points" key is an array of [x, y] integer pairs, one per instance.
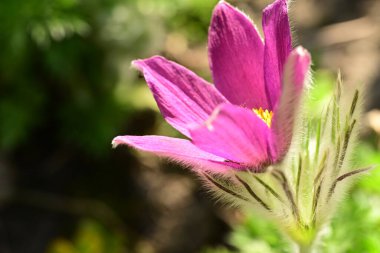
{"points": [[236, 134], [236, 54], [179, 150], [183, 98], [295, 77], [278, 45]]}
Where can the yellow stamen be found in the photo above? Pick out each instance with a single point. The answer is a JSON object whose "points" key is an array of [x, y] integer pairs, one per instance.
{"points": [[265, 115]]}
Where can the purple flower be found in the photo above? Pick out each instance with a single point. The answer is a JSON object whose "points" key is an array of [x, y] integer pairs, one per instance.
{"points": [[245, 120]]}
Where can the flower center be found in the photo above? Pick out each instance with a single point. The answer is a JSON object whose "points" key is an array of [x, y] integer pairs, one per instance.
{"points": [[265, 115]]}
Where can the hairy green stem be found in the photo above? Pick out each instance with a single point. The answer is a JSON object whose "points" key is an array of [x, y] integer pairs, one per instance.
{"points": [[303, 248]]}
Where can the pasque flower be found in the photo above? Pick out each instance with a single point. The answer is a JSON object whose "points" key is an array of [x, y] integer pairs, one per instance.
{"points": [[245, 120]]}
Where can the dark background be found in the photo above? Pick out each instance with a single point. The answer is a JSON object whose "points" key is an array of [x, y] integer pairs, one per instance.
{"points": [[66, 89]]}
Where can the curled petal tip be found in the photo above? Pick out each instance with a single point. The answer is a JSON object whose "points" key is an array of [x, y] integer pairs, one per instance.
{"points": [[302, 56], [280, 4], [220, 6], [135, 64], [139, 63], [224, 6], [116, 142], [301, 51], [222, 2]]}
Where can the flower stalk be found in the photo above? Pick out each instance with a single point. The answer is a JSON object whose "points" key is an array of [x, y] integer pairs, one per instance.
{"points": [[303, 249]]}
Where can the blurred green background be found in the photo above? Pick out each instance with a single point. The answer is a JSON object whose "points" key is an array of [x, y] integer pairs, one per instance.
{"points": [[66, 89]]}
